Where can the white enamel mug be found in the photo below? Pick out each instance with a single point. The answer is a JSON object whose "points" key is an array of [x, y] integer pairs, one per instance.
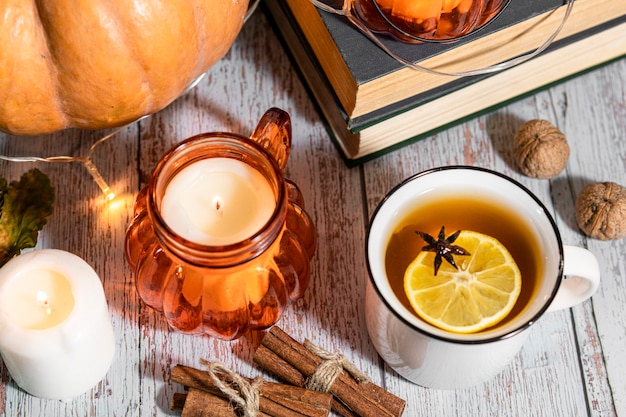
{"points": [[432, 357]]}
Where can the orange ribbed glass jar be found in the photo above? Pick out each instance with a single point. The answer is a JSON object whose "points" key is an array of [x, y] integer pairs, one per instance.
{"points": [[219, 287], [416, 21]]}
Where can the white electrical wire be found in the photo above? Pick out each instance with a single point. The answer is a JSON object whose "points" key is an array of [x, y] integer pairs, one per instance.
{"points": [[347, 11], [251, 8], [86, 161]]}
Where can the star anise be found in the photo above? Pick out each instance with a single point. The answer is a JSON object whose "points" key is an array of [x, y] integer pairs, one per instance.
{"points": [[443, 247]]}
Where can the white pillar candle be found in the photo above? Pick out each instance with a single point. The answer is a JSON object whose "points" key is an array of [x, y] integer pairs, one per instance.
{"points": [[217, 201], [56, 337]]}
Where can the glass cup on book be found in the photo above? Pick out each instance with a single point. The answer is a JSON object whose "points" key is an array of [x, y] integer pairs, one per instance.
{"points": [[416, 21], [430, 21]]}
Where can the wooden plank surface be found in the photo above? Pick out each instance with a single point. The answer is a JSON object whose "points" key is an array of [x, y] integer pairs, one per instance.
{"points": [[573, 363]]}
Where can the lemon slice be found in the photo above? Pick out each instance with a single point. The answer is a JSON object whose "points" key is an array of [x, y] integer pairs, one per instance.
{"points": [[476, 296]]}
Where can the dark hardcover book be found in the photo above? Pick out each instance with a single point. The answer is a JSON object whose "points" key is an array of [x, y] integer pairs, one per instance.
{"points": [[368, 62], [408, 120], [365, 78]]}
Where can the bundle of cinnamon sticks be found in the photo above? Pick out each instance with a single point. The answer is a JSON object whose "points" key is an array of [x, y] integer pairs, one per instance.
{"points": [[294, 363], [347, 392], [205, 398]]}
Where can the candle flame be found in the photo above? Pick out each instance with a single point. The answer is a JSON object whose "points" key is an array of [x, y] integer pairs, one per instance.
{"points": [[42, 301]]}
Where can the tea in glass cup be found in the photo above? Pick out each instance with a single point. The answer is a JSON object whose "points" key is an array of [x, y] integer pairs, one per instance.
{"points": [[430, 20]]}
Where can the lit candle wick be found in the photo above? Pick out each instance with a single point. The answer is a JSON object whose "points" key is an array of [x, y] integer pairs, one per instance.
{"points": [[217, 202], [42, 301]]}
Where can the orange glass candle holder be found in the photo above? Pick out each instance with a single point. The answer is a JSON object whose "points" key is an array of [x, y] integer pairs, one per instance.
{"points": [[427, 20], [208, 279]]}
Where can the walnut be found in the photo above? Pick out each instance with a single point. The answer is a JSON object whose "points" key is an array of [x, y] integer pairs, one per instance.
{"points": [[540, 149], [601, 210]]}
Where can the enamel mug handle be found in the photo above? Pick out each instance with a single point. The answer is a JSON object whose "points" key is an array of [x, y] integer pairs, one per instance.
{"points": [[581, 278]]}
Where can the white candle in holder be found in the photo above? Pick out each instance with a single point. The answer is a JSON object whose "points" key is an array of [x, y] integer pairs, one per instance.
{"points": [[56, 337], [217, 201]]}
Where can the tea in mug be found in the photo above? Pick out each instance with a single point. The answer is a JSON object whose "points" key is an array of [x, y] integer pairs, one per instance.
{"points": [[465, 212]]}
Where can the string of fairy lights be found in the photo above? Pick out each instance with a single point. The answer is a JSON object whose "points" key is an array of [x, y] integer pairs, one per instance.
{"points": [[85, 160]]}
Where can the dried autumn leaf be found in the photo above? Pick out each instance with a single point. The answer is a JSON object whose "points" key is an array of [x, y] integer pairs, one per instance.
{"points": [[24, 207]]}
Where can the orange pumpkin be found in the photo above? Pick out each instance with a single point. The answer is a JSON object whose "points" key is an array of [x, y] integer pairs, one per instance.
{"points": [[96, 64]]}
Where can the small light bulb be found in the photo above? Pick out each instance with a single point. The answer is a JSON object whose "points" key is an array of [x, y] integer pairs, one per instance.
{"points": [[97, 177]]}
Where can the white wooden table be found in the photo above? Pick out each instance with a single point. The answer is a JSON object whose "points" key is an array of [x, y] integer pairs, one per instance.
{"points": [[574, 363]]}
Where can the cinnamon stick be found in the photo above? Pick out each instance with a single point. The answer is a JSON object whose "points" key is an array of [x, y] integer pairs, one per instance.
{"points": [[365, 399], [178, 401], [273, 363], [270, 361], [198, 403], [307, 402], [277, 400], [390, 401], [352, 397]]}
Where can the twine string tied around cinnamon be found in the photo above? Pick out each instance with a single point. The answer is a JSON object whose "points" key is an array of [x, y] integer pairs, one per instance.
{"points": [[246, 394], [333, 364]]}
